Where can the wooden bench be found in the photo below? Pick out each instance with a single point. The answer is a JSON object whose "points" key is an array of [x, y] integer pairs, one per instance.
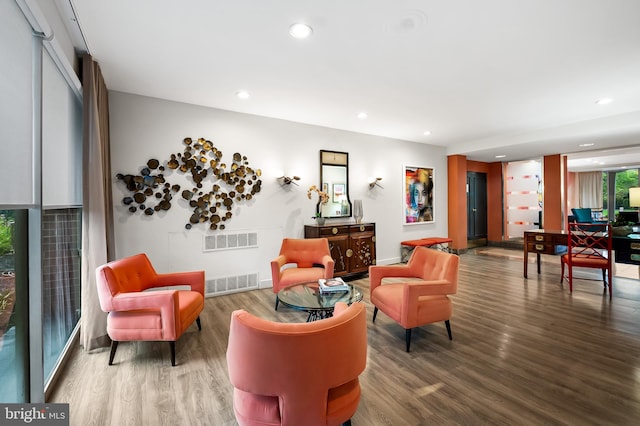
{"points": [[437, 243]]}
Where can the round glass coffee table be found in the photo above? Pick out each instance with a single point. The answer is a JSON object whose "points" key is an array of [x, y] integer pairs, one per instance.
{"points": [[307, 297]]}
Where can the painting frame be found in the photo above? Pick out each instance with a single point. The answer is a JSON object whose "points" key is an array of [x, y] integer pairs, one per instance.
{"points": [[338, 192], [418, 195]]}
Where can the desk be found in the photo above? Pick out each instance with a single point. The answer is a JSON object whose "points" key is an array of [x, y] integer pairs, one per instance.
{"points": [[541, 241]]}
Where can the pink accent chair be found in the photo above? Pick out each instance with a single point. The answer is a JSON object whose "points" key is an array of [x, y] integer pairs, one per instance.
{"points": [[312, 258], [136, 314], [297, 374], [424, 300]]}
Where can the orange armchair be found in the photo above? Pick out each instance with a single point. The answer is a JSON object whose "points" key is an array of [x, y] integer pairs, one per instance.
{"points": [[297, 374], [136, 314], [312, 259], [421, 301]]}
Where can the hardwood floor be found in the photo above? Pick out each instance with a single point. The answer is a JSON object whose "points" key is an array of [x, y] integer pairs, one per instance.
{"points": [[523, 352]]}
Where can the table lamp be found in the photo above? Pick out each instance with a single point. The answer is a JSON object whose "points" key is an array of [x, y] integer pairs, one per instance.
{"points": [[634, 199]]}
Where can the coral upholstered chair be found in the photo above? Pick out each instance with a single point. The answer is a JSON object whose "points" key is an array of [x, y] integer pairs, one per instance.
{"points": [[419, 301], [297, 374], [136, 314], [312, 259]]}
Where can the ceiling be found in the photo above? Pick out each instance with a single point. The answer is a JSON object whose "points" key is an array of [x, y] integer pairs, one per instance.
{"points": [[486, 78]]}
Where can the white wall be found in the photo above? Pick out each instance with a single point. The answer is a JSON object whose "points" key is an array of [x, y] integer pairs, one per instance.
{"points": [[144, 128]]}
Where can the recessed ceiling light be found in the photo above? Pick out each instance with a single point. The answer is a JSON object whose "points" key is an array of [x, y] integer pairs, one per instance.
{"points": [[500, 156], [300, 30], [604, 101], [242, 94], [427, 133], [586, 144], [362, 115]]}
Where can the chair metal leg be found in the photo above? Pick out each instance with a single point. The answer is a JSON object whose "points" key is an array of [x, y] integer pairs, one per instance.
{"points": [[347, 423], [198, 323], [408, 338], [448, 325], [277, 301], [114, 347], [172, 345], [375, 312]]}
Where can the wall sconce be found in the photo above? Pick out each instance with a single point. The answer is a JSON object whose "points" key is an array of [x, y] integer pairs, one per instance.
{"points": [[286, 180], [373, 181]]}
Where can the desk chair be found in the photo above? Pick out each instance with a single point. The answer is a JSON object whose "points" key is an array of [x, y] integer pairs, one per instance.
{"points": [[588, 246]]}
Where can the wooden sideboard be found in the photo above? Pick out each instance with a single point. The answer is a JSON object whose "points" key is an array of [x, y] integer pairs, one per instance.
{"points": [[540, 241], [353, 245]]}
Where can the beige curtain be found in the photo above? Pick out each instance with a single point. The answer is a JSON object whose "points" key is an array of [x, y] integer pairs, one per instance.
{"points": [[590, 189], [97, 213]]}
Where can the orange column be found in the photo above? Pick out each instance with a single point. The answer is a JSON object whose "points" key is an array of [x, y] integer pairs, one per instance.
{"points": [[457, 200], [564, 214], [554, 188], [494, 202]]}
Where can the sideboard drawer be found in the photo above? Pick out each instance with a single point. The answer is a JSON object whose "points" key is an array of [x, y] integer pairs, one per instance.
{"points": [[362, 227], [328, 231], [542, 248], [628, 257]]}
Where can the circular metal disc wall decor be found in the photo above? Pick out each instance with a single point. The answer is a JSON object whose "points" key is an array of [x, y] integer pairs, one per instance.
{"points": [[215, 184]]}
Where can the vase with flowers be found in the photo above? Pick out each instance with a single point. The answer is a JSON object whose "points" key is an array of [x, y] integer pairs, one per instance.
{"points": [[323, 198]]}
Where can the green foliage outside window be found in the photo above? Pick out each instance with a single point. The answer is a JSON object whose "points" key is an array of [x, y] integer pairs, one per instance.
{"points": [[6, 240], [624, 181]]}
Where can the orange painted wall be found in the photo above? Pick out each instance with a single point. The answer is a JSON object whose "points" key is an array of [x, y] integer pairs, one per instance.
{"points": [[565, 190], [457, 167], [457, 200], [494, 202], [556, 184], [554, 188]]}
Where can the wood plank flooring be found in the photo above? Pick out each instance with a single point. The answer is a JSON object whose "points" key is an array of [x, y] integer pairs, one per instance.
{"points": [[524, 352]]}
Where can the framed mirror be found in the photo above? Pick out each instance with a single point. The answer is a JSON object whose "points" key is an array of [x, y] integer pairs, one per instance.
{"points": [[334, 180]]}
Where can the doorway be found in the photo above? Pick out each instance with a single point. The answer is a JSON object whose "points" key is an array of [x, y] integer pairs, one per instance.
{"points": [[476, 208]]}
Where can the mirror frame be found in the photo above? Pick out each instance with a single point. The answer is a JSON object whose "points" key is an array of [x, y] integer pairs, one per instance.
{"points": [[335, 159]]}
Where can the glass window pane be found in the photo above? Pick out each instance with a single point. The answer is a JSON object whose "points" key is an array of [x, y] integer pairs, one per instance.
{"points": [[12, 331], [61, 239]]}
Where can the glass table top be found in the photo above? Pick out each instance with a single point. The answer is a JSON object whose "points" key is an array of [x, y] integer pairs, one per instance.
{"points": [[307, 297]]}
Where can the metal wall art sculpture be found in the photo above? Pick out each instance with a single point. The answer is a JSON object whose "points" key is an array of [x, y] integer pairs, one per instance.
{"points": [[203, 162]]}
